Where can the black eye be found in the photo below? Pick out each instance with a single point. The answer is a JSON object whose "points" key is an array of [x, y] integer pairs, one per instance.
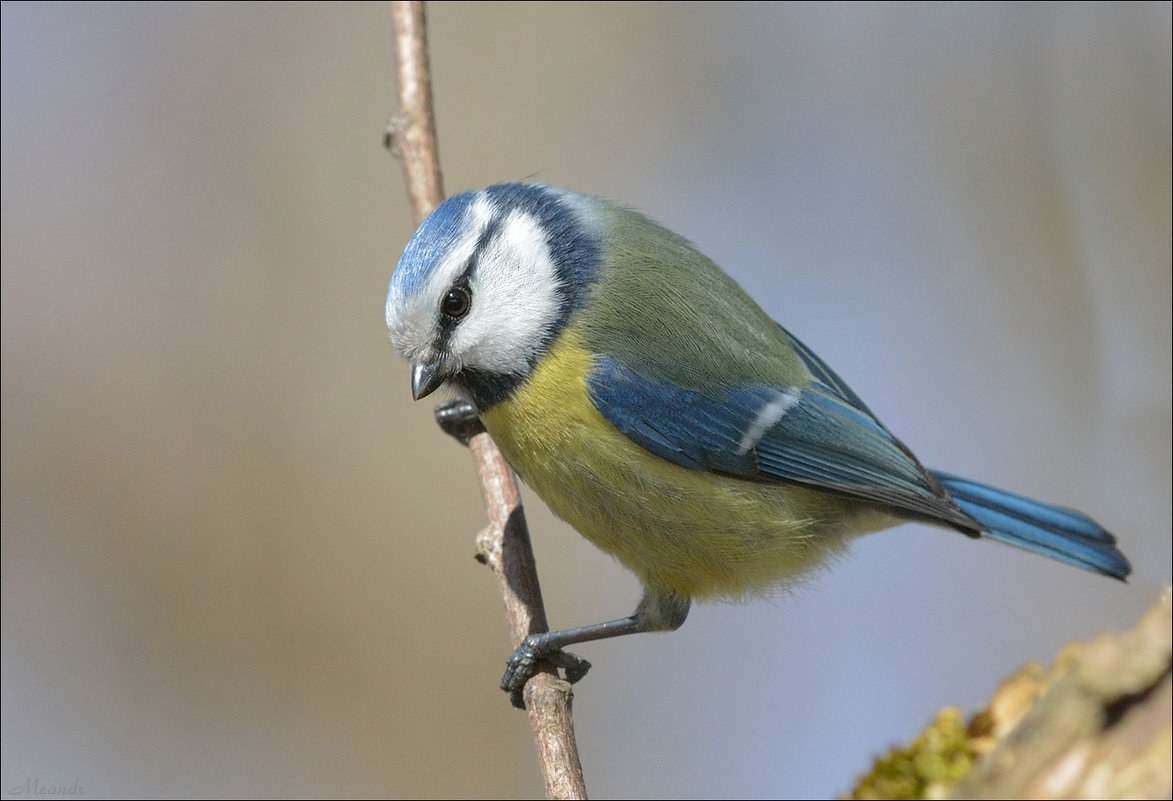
{"points": [[456, 303]]}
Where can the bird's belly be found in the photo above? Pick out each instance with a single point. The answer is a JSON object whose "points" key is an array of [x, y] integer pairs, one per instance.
{"points": [[695, 533]]}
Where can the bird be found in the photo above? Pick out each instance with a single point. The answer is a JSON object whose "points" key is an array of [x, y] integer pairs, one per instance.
{"points": [[657, 409]]}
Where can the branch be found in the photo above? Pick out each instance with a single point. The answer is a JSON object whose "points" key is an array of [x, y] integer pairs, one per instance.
{"points": [[411, 134], [505, 545]]}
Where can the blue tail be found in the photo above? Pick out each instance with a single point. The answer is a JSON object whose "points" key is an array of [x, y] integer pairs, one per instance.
{"points": [[1063, 534]]}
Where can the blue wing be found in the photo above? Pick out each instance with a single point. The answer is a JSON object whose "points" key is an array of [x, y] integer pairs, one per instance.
{"points": [[821, 436]]}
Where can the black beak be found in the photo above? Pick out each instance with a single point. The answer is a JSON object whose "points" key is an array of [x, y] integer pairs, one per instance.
{"points": [[426, 377]]}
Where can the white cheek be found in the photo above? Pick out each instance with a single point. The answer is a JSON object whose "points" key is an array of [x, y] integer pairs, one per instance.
{"points": [[515, 299]]}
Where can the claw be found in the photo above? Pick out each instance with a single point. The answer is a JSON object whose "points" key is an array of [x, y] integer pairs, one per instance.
{"points": [[459, 419], [522, 665], [575, 671], [519, 667]]}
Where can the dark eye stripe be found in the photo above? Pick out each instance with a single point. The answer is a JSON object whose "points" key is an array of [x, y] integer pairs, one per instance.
{"points": [[458, 299]]}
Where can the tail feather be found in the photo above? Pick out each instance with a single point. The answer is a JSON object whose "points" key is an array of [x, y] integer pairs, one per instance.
{"points": [[1063, 534]]}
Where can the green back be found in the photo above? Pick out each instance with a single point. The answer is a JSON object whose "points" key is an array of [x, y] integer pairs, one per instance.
{"points": [[665, 310]]}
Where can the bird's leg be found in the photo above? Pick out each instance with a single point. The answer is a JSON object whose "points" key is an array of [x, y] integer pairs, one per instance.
{"points": [[657, 611]]}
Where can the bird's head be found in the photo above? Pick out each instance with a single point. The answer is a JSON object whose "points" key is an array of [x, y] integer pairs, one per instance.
{"points": [[487, 283]]}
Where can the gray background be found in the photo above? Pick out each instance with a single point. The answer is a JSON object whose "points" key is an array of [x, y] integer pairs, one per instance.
{"points": [[237, 559]]}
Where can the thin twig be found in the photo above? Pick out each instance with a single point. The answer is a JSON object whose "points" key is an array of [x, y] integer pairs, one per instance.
{"points": [[411, 134], [505, 544]]}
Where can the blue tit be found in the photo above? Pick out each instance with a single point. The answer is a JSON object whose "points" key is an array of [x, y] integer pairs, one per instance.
{"points": [[653, 406]]}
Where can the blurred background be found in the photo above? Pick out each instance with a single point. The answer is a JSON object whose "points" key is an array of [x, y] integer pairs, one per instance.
{"points": [[237, 559]]}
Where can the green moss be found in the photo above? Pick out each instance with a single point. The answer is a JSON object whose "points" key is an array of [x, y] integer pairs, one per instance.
{"points": [[940, 757]]}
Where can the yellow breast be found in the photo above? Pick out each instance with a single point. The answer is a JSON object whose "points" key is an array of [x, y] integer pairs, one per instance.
{"points": [[694, 533]]}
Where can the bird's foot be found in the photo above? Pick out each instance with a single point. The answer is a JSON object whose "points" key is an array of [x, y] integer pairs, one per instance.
{"points": [[459, 419], [523, 663]]}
